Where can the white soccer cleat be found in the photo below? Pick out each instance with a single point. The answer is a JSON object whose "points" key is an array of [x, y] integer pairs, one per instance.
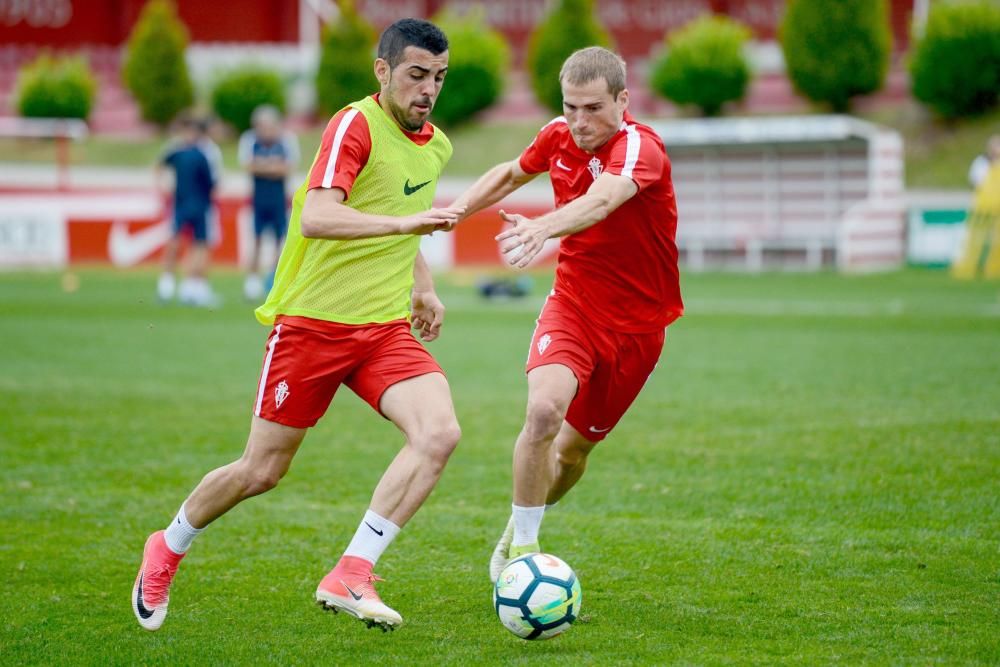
{"points": [[501, 553]]}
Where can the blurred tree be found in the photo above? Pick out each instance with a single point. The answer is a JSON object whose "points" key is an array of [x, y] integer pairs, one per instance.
{"points": [[704, 64], [955, 65], [836, 49], [154, 69], [478, 59], [571, 26], [346, 62], [55, 88], [240, 91]]}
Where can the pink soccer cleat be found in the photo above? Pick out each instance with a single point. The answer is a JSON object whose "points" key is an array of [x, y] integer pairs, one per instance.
{"points": [[350, 587], [152, 585]]}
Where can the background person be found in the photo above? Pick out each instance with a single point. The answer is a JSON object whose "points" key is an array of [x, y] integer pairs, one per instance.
{"points": [[196, 162], [270, 154]]}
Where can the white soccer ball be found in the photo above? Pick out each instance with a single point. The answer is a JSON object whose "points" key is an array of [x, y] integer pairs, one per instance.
{"points": [[537, 596]]}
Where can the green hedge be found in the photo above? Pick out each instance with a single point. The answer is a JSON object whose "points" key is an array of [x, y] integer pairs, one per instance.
{"points": [[154, 69], [571, 26], [955, 66], [346, 62], [55, 88], [239, 92], [836, 49], [478, 60], [704, 65]]}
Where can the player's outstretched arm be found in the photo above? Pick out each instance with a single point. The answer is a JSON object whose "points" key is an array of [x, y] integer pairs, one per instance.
{"points": [[492, 186], [524, 239], [324, 216], [426, 309]]}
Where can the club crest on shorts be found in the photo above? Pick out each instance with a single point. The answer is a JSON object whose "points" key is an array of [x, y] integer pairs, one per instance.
{"points": [[543, 343], [595, 167], [280, 393]]}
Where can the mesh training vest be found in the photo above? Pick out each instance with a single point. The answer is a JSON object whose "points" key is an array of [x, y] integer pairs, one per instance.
{"points": [[361, 281]]}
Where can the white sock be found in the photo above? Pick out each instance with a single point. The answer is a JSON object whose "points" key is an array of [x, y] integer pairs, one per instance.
{"points": [[374, 534], [180, 533], [166, 286], [527, 521]]}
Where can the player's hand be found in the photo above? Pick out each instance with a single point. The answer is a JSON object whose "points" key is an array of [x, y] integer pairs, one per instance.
{"points": [[430, 221], [522, 241], [426, 314]]}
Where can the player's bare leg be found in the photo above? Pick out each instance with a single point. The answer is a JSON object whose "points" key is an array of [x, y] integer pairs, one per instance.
{"points": [[194, 289], [265, 461], [421, 408], [551, 388], [166, 286], [268, 454], [568, 461]]}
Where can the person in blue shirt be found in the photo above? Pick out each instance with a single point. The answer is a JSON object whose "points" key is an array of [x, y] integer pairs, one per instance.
{"points": [[196, 164], [269, 154]]}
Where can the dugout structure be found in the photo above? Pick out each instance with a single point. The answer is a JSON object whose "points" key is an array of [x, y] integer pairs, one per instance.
{"points": [[801, 193]]}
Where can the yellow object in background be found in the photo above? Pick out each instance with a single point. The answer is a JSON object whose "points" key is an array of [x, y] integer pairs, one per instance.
{"points": [[981, 248]]}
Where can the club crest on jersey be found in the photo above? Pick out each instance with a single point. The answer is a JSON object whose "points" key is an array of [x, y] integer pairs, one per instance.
{"points": [[543, 343], [281, 393], [595, 167]]}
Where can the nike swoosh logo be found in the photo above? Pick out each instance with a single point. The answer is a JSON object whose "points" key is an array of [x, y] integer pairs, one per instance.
{"points": [[125, 249], [559, 163], [353, 594], [409, 190], [145, 613], [375, 530], [599, 430]]}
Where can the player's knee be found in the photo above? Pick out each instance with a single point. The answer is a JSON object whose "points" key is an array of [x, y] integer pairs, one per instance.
{"points": [[438, 441], [543, 419], [255, 480], [571, 457]]}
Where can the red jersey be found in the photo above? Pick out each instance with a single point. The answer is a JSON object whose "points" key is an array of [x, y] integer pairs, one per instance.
{"points": [[622, 272]]}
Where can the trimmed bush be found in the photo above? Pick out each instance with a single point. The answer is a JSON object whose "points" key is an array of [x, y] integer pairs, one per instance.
{"points": [[346, 62], [154, 69], [478, 58], [239, 92], [704, 65], [570, 27], [836, 49], [955, 68], [55, 88]]}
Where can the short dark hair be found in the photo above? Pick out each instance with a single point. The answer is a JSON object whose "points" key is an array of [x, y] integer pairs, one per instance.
{"points": [[410, 32]]}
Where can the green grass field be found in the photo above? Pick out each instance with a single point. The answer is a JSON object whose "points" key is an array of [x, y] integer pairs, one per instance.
{"points": [[810, 477]]}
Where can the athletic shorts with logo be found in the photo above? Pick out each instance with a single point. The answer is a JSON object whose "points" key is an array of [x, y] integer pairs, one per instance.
{"points": [[611, 367], [306, 360]]}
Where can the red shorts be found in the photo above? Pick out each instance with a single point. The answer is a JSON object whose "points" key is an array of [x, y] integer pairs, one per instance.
{"points": [[306, 360], [610, 367]]}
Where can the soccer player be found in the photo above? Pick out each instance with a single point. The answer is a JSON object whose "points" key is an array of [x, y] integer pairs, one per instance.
{"points": [[197, 165], [349, 275], [270, 154], [601, 330]]}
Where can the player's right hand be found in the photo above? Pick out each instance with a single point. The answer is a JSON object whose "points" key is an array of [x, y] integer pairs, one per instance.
{"points": [[433, 220]]}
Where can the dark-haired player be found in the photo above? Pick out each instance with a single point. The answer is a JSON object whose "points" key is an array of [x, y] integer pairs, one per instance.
{"points": [[349, 279]]}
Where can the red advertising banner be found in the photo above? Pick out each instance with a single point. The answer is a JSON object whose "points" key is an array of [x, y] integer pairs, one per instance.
{"points": [[637, 26]]}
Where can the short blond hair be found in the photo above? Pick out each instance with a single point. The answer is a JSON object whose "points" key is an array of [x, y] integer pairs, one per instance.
{"points": [[594, 62]]}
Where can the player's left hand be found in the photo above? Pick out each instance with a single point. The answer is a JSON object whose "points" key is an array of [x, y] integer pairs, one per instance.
{"points": [[426, 314], [522, 241]]}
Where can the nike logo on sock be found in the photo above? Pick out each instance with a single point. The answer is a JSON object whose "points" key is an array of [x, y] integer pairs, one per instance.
{"points": [[353, 594], [374, 529]]}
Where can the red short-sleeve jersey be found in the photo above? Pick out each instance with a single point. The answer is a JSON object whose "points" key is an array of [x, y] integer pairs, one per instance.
{"points": [[621, 271], [345, 147]]}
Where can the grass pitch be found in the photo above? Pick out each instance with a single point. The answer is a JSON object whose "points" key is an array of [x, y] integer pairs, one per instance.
{"points": [[810, 476]]}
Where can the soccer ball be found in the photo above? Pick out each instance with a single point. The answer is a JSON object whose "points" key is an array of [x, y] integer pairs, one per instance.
{"points": [[537, 596]]}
